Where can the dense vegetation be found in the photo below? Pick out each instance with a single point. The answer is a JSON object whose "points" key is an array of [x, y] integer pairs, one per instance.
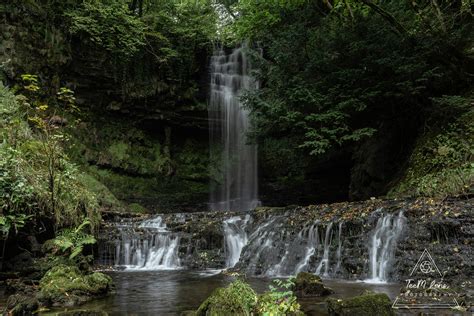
{"points": [[103, 106], [337, 75]]}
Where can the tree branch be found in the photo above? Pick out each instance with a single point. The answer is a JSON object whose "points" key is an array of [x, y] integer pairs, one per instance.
{"points": [[386, 16]]}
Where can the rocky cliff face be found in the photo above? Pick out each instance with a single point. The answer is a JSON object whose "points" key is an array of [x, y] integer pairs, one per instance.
{"points": [[335, 240]]}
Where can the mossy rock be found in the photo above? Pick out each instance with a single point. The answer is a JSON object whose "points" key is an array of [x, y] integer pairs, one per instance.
{"points": [[20, 304], [66, 286], [310, 285], [236, 299], [366, 304], [82, 312], [137, 208]]}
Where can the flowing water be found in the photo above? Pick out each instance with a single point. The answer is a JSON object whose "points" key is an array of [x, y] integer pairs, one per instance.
{"points": [[147, 245], [173, 292], [235, 238], [383, 245], [236, 183]]}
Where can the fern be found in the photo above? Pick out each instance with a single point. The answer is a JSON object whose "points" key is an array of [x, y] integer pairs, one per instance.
{"points": [[71, 242]]}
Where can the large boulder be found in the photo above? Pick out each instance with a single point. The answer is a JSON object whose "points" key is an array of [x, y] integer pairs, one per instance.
{"points": [[310, 285], [66, 286], [236, 299], [367, 304]]}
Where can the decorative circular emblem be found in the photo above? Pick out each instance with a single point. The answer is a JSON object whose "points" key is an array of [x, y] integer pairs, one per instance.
{"points": [[426, 267]]}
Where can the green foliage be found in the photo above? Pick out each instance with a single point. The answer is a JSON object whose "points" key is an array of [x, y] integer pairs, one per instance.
{"points": [[442, 163], [192, 161], [280, 300], [238, 298], [105, 198], [36, 177], [120, 147], [108, 25], [71, 241], [333, 71], [276, 154], [137, 208]]}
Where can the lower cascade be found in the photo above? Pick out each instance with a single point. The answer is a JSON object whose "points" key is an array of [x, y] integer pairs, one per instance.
{"points": [[235, 238], [383, 244], [273, 250], [273, 245], [148, 246]]}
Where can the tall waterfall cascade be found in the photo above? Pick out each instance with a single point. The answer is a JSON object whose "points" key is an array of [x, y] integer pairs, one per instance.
{"points": [[148, 246], [236, 183], [383, 243]]}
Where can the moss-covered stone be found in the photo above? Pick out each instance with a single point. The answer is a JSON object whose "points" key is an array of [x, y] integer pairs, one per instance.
{"points": [[308, 284], [236, 299], [368, 303], [137, 208], [21, 304], [67, 286]]}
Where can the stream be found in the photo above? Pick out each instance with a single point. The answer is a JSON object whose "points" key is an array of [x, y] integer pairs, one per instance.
{"points": [[175, 291]]}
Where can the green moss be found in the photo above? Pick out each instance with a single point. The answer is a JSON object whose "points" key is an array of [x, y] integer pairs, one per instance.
{"points": [[308, 284], [236, 299], [162, 191], [442, 163], [106, 199], [135, 165], [63, 283], [193, 161], [367, 304], [137, 208]]}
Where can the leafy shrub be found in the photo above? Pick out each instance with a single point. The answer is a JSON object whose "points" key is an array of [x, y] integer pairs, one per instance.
{"points": [[280, 300]]}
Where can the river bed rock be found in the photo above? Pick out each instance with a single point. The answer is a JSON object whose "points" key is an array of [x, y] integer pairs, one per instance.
{"points": [[368, 303], [310, 285]]}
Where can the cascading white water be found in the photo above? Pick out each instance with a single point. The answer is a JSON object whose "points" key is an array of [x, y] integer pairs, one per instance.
{"points": [[237, 185], [383, 244], [325, 261], [235, 238], [313, 242], [153, 248], [339, 249]]}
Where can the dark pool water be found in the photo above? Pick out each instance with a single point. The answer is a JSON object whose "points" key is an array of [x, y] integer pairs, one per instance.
{"points": [[173, 292]]}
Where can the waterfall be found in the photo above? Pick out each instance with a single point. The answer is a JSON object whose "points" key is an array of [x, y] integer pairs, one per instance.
{"points": [[313, 242], [327, 243], [149, 246], [383, 244], [339, 249], [235, 238], [236, 183]]}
